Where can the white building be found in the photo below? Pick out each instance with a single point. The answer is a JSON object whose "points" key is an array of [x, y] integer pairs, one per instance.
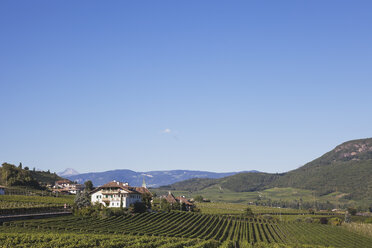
{"points": [[2, 190], [117, 194], [67, 187]]}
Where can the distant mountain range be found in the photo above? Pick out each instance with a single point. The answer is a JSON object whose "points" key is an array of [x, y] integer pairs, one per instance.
{"points": [[346, 169], [152, 178]]}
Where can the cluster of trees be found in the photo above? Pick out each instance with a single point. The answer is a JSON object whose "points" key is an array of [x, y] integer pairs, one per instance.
{"points": [[248, 212], [199, 198], [11, 175], [45, 177], [166, 206], [88, 185]]}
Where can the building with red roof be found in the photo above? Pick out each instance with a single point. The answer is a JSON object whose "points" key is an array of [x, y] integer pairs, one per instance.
{"points": [[118, 194], [171, 199]]}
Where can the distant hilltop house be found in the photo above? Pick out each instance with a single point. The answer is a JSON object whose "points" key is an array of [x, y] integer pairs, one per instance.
{"points": [[118, 194], [2, 190], [67, 187], [171, 199]]}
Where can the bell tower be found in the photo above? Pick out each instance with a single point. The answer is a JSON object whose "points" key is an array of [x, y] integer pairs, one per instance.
{"points": [[144, 183]]}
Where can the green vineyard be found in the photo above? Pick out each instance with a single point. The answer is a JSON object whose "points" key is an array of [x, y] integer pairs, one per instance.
{"points": [[20, 204], [71, 240], [22, 201], [235, 231]]}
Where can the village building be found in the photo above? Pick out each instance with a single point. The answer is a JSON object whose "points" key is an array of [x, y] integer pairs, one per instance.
{"points": [[2, 190], [67, 187], [117, 194], [183, 200], [62, 184], [171, 199]]}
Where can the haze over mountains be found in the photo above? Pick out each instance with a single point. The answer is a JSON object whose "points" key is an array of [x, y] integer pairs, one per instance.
{"points": [[152, 178], [347, 169]]}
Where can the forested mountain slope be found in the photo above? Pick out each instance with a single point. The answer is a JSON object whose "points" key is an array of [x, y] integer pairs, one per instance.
{"points": [[11, 175], [346, 169]]}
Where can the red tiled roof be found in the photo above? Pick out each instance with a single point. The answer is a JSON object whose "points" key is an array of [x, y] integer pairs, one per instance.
{"points": [[114, 184], [142, 190], [170, 198], [184, 200], [124, 186]]}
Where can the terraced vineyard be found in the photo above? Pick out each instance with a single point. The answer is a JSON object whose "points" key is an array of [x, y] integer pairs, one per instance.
{"points": [[20, 204], [22, 201], [238, 231]]}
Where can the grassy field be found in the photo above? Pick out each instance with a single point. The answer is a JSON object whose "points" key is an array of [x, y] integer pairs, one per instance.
{"points": [[279, 214], [239, 208]]}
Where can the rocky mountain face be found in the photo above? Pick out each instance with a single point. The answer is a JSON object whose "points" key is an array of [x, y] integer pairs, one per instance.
{"points": [[354, 150]]}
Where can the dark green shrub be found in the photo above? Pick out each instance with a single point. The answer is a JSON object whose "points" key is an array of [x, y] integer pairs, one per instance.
{"points": [[323, 220]]}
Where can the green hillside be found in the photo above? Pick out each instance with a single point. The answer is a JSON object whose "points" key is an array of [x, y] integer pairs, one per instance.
{"points": [[45, 177], [247, 182], [347, 170], [11, 175]]}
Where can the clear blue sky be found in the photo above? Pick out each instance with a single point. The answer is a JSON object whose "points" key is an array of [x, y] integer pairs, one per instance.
{"points": [[202, 85]]}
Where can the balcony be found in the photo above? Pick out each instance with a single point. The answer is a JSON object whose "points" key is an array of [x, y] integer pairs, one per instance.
{"points": [[110, 192], [109, 199]]}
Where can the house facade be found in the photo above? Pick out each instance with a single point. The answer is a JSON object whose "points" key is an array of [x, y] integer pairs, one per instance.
{"points": [[117, 194]]}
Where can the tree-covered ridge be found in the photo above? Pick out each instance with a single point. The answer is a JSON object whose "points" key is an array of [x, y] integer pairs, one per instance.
{"points": [[245, 182], [346, 169], [11, 175], [242, 182], [45, 177], [193, 184]]}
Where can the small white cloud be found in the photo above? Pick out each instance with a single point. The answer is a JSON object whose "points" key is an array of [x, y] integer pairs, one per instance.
{"points": [[167, 130]]}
